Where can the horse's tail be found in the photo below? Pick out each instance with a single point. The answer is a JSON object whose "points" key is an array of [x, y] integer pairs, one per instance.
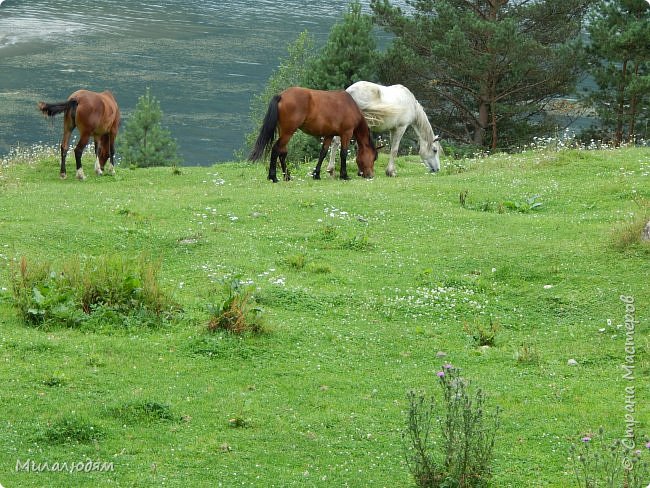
{"points": [[267, 132], [52, 109], [376, 114]]}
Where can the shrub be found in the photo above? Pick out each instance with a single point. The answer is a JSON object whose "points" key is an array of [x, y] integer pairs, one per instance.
{"points": [[452, 448], [237, 313], [145, 142], [101, 291]]}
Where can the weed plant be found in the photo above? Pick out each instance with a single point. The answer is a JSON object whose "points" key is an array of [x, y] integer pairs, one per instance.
{"points": [[452, 448], [483, 335], [599, 464], [95, 293], [629, 234], [238, 312]]}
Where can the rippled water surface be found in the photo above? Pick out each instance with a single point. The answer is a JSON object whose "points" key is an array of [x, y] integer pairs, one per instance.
{"points": [[202, 59]]}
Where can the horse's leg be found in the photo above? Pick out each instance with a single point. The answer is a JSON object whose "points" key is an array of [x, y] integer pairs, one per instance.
{"points": [[111, 145], [68, 127], [274, 157], [78, 151], [65, 143], [102, 153], [283, 165], [331, 167], [395, 138], [64, 152], [279, 150], [345, 143], [98, 166], [321, 156]]}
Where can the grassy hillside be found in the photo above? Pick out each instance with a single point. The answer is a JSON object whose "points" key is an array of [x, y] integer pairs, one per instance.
{"points": [[362, 284]]}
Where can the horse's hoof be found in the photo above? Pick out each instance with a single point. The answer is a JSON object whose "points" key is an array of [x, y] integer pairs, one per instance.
{"points": [[80, 175], [63, 176], [316, 176], [345, 177]]}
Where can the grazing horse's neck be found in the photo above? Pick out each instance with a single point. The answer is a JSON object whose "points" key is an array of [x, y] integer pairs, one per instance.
{"points": [[421, 125]]}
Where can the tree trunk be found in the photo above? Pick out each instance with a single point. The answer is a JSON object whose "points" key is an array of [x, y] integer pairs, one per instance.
{"points": [[483, 118], [620, 112], [633, 108], [495, 134]]}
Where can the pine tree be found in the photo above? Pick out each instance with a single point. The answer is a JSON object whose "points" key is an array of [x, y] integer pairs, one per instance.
{"points": [[145, 142], [349, 55], [619, 55], [483, 69]]}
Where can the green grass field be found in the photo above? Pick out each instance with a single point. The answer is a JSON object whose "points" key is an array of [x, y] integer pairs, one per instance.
{"points": [[362, 284]]}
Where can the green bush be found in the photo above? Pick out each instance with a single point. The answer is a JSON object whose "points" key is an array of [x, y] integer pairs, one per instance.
{"points": [[145, 142]]}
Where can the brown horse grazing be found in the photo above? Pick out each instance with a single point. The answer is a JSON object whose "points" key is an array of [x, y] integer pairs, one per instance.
{"points": [[318, 113], [94, 114]]}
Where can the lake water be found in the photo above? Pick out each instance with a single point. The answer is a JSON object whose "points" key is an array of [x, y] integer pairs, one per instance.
{"points": [[202, 59]]}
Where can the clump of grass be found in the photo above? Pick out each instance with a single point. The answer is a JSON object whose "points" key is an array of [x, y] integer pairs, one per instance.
{"points": [[328, 232], [97, 292], [450, 445], [55, 380], [72, 429], [238, 422], [238, 312], [483, 335], [296, 261], [143, 412], [527, 205], [526, 354], [319, 268], [358, 242], [630, 234], [462, 197]]}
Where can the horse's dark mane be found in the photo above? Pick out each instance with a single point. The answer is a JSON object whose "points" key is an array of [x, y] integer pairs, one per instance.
{"points": [[363, 129]]}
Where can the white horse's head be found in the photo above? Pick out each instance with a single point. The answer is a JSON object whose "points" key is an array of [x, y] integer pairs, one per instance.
{"points": [[430, 154]]}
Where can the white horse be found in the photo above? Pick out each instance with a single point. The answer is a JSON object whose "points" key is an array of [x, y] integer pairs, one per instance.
{"points": [[393, 108]]}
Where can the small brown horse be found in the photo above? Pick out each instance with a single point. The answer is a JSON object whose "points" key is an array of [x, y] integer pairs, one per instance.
{"points": [[94, 114], [318, 113]]}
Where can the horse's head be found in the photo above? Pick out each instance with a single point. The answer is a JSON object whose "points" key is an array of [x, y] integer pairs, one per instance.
{"points": [[430, 154], [366, 157]]}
